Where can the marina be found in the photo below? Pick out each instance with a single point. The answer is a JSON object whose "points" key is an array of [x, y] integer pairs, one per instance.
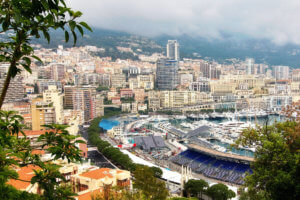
{"points": [[202, 142]]}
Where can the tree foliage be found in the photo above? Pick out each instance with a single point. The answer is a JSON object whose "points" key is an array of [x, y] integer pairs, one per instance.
{"points": [[118, 193], [195, 188], [16, 151], [276, 169], [220, 192], [157, 172], [151, 187], [28, 19]]}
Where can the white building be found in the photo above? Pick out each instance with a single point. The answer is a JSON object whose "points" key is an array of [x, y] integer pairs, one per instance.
{"points": [[173, 50], [276, 103], [281, 72]]}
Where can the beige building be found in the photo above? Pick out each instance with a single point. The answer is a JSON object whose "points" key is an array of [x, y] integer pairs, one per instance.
{"points": [[133, 83], [154, 100], [99, 105], [139, 95], [145, 81], [176, 99], [126, 107], [222, 87], [52, 95], [42, 114], [118, 81]]}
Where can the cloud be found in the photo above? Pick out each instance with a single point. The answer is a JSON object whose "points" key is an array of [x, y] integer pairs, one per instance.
{"points": [[276, 20]]}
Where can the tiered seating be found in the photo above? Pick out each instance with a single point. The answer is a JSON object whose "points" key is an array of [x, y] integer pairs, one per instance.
{"points": [[212, 167]]}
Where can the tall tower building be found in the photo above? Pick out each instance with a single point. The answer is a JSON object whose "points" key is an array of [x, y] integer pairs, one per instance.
{"points": [[173, 50], [69, 90], [83, 100], [250, 66], [166, 74]]}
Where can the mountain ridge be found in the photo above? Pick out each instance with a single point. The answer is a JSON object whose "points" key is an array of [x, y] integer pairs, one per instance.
{"points": [[263, 51]]}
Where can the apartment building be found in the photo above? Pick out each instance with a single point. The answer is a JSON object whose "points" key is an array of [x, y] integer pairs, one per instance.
{"points": [[52, 95], [42, 113]]}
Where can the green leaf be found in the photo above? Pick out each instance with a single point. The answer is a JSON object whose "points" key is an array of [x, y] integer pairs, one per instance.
{"points": [[45, 4], [77, 14], [46, 35], [27, 68], [72, 25], [37, 58], [2, 58], [85, 25], [75, 37], [66, 36], [80, 29]]}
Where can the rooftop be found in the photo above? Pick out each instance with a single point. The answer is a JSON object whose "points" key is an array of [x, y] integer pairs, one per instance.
{"points": [[98, 173]]}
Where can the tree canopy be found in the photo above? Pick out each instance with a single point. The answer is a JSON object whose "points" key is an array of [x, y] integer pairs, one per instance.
{"points": [[220, 192], [276, 169], [152, 188], [195, 188]]}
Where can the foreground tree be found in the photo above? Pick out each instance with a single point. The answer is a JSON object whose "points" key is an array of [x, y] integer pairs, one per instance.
{"points": [[195, 188], [220, 192], [183, 198], [28, 19], [118, 193], [145, 180], [276, 169], [16, 151]]}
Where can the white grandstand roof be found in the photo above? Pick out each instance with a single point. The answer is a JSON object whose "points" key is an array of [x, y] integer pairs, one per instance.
{"points": [[167, 174]]}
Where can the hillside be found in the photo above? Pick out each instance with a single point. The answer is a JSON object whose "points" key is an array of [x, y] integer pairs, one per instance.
{"points": [[263, 51]]}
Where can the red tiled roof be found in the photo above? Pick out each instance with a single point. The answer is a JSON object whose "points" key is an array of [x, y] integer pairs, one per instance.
{"points": [[32, 133], [37, 132], [25, 173], [98, 173]]}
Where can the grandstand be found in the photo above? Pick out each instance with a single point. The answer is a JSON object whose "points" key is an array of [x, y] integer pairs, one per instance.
{"points": [[212, 167]]}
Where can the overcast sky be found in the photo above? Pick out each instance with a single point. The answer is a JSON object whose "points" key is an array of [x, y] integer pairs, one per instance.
{"points": [[277, 20]]}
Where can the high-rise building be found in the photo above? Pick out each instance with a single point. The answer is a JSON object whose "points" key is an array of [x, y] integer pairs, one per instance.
{"points": [[281, 72], [57, 72], [83, 99], [52, 95], [166, 74], [15, 90], [69, 90], [205, 69], [250, 66], [173, 50]]}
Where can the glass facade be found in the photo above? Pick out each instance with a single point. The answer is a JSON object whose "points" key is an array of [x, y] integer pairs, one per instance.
{"points": [[166, 74]]}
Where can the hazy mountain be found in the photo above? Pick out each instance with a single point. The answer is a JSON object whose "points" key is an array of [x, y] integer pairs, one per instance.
{"points": [[217, 49]]}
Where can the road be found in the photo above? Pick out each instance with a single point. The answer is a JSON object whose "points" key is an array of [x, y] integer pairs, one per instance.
{"points": [[94, 155]]}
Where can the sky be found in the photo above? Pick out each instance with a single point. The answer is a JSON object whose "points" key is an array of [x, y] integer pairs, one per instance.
{"points": [[275, 20]]}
